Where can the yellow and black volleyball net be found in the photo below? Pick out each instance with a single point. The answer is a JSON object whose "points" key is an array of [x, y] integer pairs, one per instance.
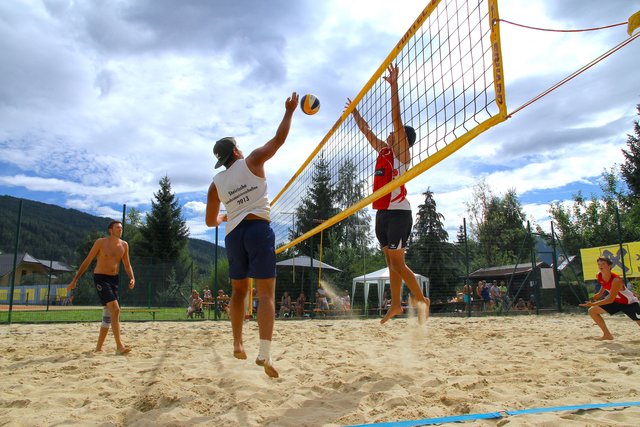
{"points": [[451, 89]]}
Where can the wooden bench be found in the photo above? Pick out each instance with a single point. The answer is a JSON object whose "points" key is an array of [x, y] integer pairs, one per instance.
{"points": [[153, 311]]}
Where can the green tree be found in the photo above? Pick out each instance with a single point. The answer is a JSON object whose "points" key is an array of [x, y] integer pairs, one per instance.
{"points": [[631, 167], [355, 229], [593, 222], [630, 170], [430, 253], [164, 234], [132, 226], [498, 227], [317, 205]]}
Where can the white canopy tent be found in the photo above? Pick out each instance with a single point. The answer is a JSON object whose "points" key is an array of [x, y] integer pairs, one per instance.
{"points": [[381, 278], [305, 261]]}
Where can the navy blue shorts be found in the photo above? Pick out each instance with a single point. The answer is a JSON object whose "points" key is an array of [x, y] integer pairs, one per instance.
{"points": [[107, 287], [251, 250], [393, 228]]}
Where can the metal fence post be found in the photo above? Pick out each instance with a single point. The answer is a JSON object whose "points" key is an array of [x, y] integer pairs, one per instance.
{"points": [[466, 263], [15, 261]]}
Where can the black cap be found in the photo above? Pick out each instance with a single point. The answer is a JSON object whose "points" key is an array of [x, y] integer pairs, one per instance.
{"points": [[411, 135], [223, 149]]}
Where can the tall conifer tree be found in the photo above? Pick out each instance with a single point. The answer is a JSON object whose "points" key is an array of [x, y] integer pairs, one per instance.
{"points": [[164, 234]]}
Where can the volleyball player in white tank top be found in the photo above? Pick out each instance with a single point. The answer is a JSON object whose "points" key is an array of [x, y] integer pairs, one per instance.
{"points": [[250, 242]]}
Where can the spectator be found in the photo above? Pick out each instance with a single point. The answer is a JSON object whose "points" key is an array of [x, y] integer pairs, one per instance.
{"points": [[347, 301], [521, 305], [386, 302], [467, 292], [480, 291], [531, 304], [195, 304], [300, 302], [494, 293], [206, 295], [285, 305], [504, 295], [255, 301], [338, 304], [321, 301], [222, 304]]}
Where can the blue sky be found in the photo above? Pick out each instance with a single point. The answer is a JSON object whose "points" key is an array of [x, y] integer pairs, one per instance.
{"points": [[99, 100]]}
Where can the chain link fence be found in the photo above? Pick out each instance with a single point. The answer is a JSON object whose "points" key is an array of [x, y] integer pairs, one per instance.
{"points": [[543, 278]]}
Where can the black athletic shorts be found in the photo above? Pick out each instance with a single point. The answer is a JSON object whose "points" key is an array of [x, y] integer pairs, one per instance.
{"points": [[107, 287], [631, 310], [393, 228]]}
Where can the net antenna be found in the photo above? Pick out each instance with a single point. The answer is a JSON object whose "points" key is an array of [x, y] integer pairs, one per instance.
{"points": [[451, 89]]}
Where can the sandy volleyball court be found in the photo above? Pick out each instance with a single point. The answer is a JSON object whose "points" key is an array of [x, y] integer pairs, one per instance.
{"points": [[333, 372]]}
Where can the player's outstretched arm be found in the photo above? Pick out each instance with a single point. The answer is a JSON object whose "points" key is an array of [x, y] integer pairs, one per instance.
{"points": [[616, 287], [400, 141], [362, 124]]}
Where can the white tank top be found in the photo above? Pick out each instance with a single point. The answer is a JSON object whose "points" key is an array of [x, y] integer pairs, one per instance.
{"points": [[242, 193]]}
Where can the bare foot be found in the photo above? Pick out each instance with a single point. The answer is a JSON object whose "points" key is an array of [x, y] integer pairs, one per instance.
{"points": [[391, 312], [123, 350], [423, 310], [268, 367], [238, 351], [98, 350], [605, 338]]}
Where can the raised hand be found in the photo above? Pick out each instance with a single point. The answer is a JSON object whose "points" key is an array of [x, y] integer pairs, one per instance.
{"points": [[292, 102], [392, 78]]}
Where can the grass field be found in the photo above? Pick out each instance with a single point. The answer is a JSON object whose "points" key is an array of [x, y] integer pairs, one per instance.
{"points": [[39, 314]]}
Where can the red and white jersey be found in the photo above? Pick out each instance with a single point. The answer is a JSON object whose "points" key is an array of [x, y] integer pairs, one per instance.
{"points": [[625, 296], [388, 168]]}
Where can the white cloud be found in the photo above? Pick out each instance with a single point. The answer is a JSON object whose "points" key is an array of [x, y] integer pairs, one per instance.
{"points": [[196, 208], [100, 101]]}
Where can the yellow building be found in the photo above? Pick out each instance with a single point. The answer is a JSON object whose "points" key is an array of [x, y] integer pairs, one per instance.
{"points": [[31, 268]]}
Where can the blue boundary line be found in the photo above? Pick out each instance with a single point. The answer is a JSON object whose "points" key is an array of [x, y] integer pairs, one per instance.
{"points": [[572, 408], [440, 420], [490, 415]]}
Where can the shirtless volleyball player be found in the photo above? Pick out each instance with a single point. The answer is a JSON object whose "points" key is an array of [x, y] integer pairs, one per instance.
{"points": [[110, 251]]}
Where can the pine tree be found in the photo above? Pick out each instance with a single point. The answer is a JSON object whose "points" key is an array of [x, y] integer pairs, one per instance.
{"points": [[430, 253], [164, 234], [354, 231], [316, 206], [631, 167]]}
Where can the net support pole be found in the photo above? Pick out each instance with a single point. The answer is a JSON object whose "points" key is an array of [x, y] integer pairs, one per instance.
{"points": [[556, 275], [49, 281], [619, 229], [15, 261]]}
